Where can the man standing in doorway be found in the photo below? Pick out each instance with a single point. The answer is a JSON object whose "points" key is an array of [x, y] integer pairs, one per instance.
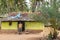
{"points": [[19, 27]]}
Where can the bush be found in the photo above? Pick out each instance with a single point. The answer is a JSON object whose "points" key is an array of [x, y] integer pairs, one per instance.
{"points": [[50, 36], [54, 34]]}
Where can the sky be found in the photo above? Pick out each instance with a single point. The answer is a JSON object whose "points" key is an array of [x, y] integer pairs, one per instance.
{"points": [[28, 3]]}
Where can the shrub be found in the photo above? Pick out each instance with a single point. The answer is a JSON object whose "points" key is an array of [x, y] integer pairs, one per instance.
{"points": [[54, 35], [50, 36]]}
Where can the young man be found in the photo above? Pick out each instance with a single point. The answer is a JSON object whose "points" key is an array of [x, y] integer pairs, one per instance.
{"points": [[20, 27]]}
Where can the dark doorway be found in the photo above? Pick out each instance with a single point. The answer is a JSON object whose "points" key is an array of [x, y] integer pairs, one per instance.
{"points": [[22, 27]]}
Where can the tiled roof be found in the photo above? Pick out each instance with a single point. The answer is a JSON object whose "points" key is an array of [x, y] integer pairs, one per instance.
{"points": [[23, 17]]}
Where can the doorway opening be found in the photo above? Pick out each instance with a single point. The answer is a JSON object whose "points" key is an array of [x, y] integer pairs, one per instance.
{"points": [[21, 26]]}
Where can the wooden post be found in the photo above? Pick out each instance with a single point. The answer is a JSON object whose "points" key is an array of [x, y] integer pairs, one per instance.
{"points": [[0, 23]]}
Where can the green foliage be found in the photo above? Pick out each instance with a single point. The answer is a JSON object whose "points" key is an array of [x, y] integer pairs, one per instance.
{"points": [[50, 14], [50, 36], [34, 4], [7, 6], [54, 34]]}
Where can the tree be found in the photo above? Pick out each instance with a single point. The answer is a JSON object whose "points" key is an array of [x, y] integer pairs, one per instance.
{"points": [[21, 4], [50, 14], [7, 6], [35, 5]]}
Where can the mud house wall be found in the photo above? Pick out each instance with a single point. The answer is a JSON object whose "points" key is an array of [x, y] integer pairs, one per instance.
{"points": [[34, 26], [9, 25], [27, 25]]}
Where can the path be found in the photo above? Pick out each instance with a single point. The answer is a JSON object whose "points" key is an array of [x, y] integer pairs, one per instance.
{"points": [[17, 37], [24, 36]]}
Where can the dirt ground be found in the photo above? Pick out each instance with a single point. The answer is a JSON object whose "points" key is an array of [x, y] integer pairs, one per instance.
{"points": [[24, 36], [18, 37]]}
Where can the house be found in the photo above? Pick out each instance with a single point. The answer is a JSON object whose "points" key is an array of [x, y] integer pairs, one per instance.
{"points": [[13, 23]]}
